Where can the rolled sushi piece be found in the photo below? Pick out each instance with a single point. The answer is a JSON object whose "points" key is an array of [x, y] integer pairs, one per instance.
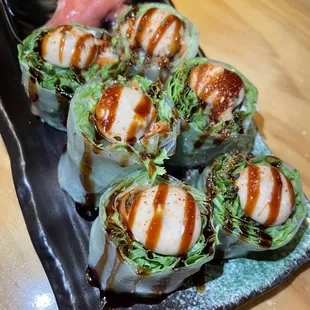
{"points": [[216, 103], [115, 128], [55, 61], [150, 236], [258, 202], [155, 38]]}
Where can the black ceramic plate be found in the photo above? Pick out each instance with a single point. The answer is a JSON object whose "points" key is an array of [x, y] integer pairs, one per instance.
{"points": [[60, 236]]}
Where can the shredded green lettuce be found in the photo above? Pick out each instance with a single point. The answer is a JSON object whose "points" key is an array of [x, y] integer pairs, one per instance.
{"points": [[189, 107], [67, 79], [86, 99], [191, 33], [227, 207], [134, 252]]}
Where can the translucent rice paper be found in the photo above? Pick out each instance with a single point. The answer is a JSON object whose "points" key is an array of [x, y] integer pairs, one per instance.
{"points": [[233, 246], [196, 147], [50, 101], [106, 160], [119, 274]]}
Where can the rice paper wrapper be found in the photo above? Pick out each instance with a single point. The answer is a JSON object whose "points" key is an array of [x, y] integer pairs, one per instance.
{"points": [[190, 156], [52, 108], [198, 147], [117, 275], [106, 164]]}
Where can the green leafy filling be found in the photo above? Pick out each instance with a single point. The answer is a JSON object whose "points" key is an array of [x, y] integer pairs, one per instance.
{"points": [[190, 108], [87, 97], [48, 75], [227, 208], [134, 252]]}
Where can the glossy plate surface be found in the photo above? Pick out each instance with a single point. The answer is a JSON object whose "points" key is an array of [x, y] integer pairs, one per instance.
{"points": [[60, 236]]}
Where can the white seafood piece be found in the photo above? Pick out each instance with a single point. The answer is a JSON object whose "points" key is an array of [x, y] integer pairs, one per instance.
{"points": [[124, 113], [221, 89], [157, 32], [266, 195], [66, 46], [165, 219]]}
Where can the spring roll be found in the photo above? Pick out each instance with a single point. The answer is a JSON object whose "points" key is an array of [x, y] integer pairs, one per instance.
{"points": [[216, 104], [55, 61], [150, 236], [155, 38], [258, 202], [114, 128]]}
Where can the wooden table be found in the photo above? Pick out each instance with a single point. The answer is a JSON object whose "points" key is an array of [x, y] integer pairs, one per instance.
{"points": [[267, 40]]}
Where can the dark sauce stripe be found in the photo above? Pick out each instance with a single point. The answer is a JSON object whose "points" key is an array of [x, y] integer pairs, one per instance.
{"points": [[226, 85], [76, 55], [152, 168], [109, 104], [62, 41], [33, 90], [204, 136], [44, 42], [160, 31], [86, 168], [153, 232], [144, 24], [188, 222], [274, 205], [253, 189], [142, 110], [133, 212]]}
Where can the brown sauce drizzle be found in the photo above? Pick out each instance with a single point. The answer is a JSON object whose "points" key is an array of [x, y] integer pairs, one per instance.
{"points": [[111, 300], [76, 55], [108, 103], [45, 39], [274, 205], [133, 212], [153, 232], [160, 31], [62, 41], [63, 101], [226, 86], [201, 288], [87, 209], [265, 239], [33, 90], [188, 222], [199, 281], [253, 189], [142, 110], [144, 24], [152, 168], [185, 126], [201, 139]]}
